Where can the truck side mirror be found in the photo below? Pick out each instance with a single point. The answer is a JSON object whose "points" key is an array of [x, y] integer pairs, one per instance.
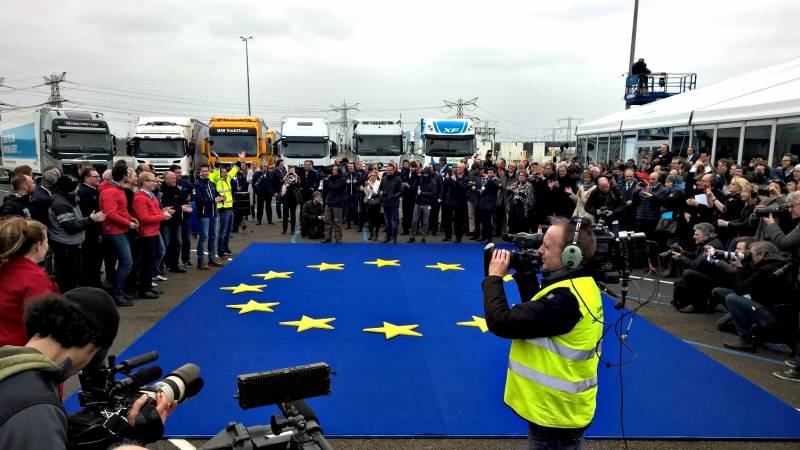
{"points": [[45, 140], [129, 148], [113, 145]]}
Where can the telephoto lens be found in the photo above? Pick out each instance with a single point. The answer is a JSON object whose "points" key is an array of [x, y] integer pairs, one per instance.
{"points": [[182, 383]]}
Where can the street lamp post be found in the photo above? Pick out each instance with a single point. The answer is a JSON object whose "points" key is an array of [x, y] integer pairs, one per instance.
{"points": [[247, 62]]}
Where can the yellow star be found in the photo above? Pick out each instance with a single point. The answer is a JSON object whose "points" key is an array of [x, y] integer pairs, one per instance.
{"points": [[253, 305], [272, 275], [245, 288], [384, 262], [508, 278], [445, 267], [391, 330], [477, 322], [306, 323], [325, 266]]}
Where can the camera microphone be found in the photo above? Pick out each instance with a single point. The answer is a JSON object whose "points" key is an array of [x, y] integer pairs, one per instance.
{"points": [[139, 379]]}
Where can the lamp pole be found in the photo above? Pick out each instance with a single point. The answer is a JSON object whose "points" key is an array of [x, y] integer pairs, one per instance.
{"points": [[247, 63]]}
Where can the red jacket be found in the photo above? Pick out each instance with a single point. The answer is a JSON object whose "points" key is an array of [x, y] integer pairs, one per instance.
{"points": [[114, 203], [22, 280], [148, 213]]}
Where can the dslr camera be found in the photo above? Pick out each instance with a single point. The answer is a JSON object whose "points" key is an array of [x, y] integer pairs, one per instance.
{"points": [[775, 210], [722, 255], [106, 401]]}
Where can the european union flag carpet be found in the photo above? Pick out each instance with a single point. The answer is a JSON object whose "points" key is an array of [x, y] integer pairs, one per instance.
{"points": [[402, 326]]}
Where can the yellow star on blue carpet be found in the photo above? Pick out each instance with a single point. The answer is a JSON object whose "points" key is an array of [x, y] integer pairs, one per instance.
{"points": [[245, 288], [477, 322], [384, 262], [307, 323], [325, 266], [391, 330], [445, 267], [253, 305], [272, 275]]}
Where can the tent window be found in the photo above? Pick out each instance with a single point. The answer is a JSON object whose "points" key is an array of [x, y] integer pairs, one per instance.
{"points": [[702, 141], [787, 140], [728, 143], [756, 143], [614, 150]]}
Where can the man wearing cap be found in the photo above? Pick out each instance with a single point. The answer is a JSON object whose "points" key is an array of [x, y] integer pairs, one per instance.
{"points": [[66, 332]]}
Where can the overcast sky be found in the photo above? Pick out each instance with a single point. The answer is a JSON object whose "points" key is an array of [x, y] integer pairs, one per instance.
{"points": [[528, 62]]}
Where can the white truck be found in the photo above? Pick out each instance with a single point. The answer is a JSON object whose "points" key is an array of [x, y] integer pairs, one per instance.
{"points": [[55, 137], [378, 141], [306, 139], [451, 138], [163, 141]]}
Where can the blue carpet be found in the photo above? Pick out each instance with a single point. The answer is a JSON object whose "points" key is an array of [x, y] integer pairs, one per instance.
{"points": [[449, 381]]}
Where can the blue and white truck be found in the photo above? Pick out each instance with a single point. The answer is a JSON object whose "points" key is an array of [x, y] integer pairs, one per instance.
{"points": [[55, 137], [451, 138]]}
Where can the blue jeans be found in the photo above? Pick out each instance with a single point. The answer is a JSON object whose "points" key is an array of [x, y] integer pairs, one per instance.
{"points": [[160, 250], [225, 230], [746, 312], [208, 231], [119, 246], [391, 215], [540, 438]]}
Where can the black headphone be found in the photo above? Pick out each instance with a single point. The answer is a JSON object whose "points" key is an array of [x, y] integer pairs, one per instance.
{"points": [[572, 255]]}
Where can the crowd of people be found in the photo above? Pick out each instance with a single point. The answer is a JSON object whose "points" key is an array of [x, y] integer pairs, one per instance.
{"points": [[124, 229]]}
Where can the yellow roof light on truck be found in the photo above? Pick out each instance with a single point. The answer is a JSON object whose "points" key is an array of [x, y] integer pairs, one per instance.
{"points": [[235, 119]]}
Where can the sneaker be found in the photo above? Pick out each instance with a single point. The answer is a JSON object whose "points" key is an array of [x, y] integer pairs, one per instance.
{"points": [[687, 309], [202, 267], [791, 363], [153, 284], [215, 264], [788, 375], [187, 264], [177, 269], [148, 295], [160, 277]]}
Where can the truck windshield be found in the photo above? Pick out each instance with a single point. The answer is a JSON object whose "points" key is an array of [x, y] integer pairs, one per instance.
{"points": [[231, 145], [82, 142], [158, 148], [305, 149], [449, 147], [380, 145]]}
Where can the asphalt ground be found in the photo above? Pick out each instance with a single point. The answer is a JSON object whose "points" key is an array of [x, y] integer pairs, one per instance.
{"points": [[699, 329]]}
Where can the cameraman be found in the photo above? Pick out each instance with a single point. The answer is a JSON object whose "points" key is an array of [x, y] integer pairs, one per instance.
{"points": [[66, 333], [789, 242], [555, 333]]}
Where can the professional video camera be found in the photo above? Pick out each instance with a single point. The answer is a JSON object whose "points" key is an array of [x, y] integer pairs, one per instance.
{"points": [[298, 428], [775, 210], [106, 401], [613, 259]]}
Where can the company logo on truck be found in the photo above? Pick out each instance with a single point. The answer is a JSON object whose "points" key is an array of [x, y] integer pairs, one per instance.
{"points": [[19, 142], [230, 130], [450, 126]]}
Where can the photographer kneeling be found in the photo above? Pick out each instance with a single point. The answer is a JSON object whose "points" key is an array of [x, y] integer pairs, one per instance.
{"points": [[693, 291], [555, 333], [66, 332], [758, 292]]}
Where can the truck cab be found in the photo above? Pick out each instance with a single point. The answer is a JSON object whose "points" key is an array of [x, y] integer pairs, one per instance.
{"points": [[164, 141], [306, 139], [55, 137], [451, 138], [228, 136], [378, 141]]}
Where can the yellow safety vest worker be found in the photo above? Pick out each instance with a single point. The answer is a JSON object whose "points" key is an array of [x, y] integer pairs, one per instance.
{"points": [[224, 186], [552, 381]]}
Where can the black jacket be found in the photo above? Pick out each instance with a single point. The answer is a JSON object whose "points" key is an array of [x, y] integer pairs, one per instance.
{"points": [[89, 202], [763, 286], [456, 190], [697, 260], [550, 316], [16, 205], [611, 200], [175, 196], [391, 189], [204, 194], [311, 211], [309, 181], [267, 183], [335, 191], [67, 224], [41, 199], [487, 193], [427, 190]]}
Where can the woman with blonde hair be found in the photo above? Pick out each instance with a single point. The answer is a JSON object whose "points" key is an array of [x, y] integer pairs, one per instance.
{"points": [[23, 245], [373, 202], [740, 224], [584, 190]]}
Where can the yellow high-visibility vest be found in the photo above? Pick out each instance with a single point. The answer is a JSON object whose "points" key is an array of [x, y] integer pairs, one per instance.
{"points": [[223, 186], [552, 381]]}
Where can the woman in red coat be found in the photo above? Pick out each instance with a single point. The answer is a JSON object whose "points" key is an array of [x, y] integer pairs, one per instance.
{"points": [[23, 245]]}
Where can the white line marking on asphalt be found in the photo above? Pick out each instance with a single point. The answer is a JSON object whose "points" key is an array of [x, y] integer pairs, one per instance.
{"points": [[651, 279], [182, 444]]}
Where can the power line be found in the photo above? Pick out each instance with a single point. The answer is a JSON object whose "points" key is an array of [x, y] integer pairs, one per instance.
{"points": [[344, 121], [568, 130], [54, 81], [459, 105]]}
